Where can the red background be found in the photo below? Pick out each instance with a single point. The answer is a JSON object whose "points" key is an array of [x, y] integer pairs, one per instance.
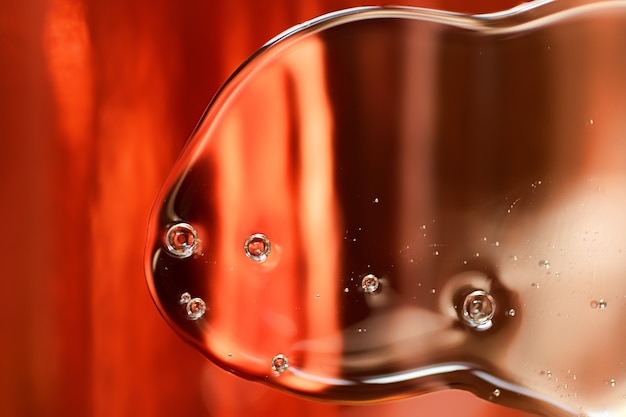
{"points": [[96, 100]]}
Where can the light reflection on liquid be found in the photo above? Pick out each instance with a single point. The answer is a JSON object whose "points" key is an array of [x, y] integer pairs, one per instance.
{"points": [[466, 174]]}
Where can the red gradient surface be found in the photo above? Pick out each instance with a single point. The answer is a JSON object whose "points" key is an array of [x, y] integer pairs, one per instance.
{"points": [[96, 100]]}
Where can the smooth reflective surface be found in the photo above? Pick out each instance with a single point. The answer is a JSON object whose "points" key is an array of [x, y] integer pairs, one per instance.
{"points": [[419, 174]]}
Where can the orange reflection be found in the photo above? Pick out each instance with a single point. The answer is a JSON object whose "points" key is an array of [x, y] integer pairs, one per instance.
{"points": [[302, 202], [97, 99]]}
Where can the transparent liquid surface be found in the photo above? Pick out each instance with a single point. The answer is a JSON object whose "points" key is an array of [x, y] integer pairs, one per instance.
{"points": [[388, 202]]}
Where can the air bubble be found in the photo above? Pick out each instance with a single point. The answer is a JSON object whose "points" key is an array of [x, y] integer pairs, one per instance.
{"points": [[280, 363], [601, 304], [496, 392], [257, 247], [370, 283], [544, 264], [196, 308], [181, 240], [184, 298], [511, 312], [479, 308]]}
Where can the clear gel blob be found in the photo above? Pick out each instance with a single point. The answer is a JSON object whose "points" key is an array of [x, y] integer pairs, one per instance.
{"points": [[441, 211]]}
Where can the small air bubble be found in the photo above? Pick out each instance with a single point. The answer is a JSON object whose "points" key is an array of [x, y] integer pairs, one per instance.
{"points": [[181, 240], [257, 247], [612, 383], [496, 392], [184, 298], [511, 312], [369, 283], [318, 296], [195, 308], [346, 289], [280, 363], [544, 264], [535, 285], [478, 309], [376, 200]]}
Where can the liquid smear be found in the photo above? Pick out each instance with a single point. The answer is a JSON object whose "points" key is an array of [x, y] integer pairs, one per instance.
{"points": [[388, 201]]}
